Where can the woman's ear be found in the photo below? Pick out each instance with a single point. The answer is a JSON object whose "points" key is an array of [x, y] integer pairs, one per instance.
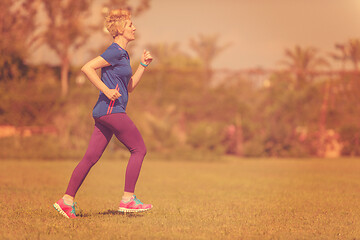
{"points": [[121, 27], [120, 31]]}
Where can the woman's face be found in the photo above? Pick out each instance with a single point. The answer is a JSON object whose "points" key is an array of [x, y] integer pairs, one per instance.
{"points": [[129, 31]]}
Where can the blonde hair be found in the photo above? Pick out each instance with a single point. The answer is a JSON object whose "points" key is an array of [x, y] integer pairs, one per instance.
{"points": [[116, 20]]}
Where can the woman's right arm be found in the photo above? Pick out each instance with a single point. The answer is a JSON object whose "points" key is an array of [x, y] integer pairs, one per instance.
{"points": [[89, 69]]}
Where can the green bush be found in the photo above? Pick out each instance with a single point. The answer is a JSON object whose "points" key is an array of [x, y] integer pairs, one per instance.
{"points": [[350, 137], [207, 136]]}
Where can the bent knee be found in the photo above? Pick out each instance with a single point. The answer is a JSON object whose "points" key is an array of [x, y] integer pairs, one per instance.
{"points": [[141, 150]]}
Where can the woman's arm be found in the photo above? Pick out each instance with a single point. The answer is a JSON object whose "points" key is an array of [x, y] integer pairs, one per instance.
{"points": [[146, 58], [89, 69]]}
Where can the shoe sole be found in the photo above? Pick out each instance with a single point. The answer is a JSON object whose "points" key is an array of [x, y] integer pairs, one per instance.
{"points": [[121, 209], [58, 208]]}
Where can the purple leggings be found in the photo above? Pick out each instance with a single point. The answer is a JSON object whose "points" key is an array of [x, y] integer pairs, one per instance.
{"points": [[127, 133]]}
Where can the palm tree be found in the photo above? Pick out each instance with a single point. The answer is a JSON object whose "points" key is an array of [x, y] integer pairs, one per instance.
{"points": [[353, 52], [207, 49], [342, 56], [303, 61]]}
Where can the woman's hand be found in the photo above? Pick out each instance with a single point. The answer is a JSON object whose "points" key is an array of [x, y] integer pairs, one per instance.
{"points": [[146, 58], [112, 94]]}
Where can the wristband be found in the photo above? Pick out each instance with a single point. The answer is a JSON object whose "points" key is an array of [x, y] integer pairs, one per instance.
{"points": [[143, 64]]}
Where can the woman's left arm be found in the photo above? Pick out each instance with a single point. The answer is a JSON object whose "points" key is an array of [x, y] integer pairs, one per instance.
{"points": [[146, 59]]}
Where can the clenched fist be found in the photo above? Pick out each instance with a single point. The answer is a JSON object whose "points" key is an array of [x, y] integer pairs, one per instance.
{"points": [[146, 57], [112, 94]]}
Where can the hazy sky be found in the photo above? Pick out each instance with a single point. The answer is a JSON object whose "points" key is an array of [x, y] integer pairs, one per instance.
{"points": [[259, 30]]}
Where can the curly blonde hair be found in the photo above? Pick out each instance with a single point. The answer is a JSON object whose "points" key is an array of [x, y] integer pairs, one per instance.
{"points": [[116, 20]]}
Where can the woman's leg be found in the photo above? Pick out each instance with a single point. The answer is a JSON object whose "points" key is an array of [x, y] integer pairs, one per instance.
{"points": [[127, 133], [98, 142]]}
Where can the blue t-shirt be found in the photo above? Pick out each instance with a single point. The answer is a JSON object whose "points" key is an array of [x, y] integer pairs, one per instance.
{"points": [[115, 76]]}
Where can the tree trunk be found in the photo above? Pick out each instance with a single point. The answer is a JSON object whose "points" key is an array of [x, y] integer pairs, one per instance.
{"points": [[322, 119], [238, 136], [65, 65]]}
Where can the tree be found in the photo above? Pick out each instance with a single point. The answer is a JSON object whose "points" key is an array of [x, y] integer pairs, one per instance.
{"points": [[341, 55], [141, 7], [207, 49], [169, 57], [17, 30], [348, 51], [302, 61], [66, 31], [68, 28], [353, 52]]}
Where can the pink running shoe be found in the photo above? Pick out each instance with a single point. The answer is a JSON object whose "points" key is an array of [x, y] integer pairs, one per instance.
{"points": [[134, 205], [67, 211]]}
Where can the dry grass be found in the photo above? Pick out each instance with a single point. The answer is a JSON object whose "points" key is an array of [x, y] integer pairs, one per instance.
{"points": [[236, 199]]}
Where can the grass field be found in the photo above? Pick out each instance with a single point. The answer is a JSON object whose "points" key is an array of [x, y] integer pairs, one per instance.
{"points": [[234, 199]]}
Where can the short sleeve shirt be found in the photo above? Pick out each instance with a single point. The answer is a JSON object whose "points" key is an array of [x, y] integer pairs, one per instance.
{"points": [[115, 76]]}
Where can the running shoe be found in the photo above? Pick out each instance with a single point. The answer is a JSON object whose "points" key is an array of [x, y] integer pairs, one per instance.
{"points": [[134, 205], [66, 210]]}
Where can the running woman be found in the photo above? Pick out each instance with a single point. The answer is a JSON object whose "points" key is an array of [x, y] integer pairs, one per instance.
{"points": [[110, 115]]}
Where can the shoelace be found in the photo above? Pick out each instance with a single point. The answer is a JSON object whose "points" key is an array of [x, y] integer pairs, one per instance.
{"points": [[73, 208], [137, 200]]}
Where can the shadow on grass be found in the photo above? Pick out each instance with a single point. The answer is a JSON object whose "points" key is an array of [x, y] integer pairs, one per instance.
{"points": [[82, 214], [114, 212]]}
